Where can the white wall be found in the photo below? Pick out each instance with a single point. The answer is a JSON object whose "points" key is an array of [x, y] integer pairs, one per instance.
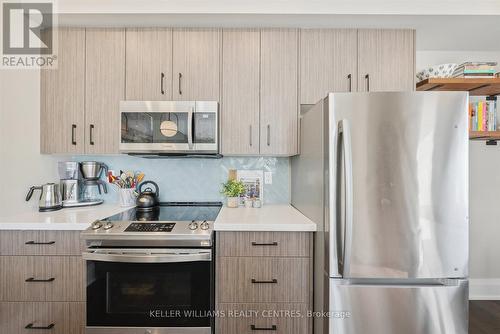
{"points": [[21, 164], [484, 190]]}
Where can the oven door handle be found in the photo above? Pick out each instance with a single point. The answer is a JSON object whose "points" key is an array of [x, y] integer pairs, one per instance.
{"points": [[147, 258]]}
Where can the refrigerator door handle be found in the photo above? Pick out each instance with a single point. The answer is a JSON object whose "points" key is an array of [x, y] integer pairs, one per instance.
{"points": [[345, 131]]}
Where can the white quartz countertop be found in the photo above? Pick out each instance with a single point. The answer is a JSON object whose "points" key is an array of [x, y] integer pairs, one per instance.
{"points": [[279, 217], [65, 219]]}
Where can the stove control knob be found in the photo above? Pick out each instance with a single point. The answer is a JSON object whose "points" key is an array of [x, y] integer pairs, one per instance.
{"points": [[96, 225], [205, 225], [108, 225], [193, 225]]}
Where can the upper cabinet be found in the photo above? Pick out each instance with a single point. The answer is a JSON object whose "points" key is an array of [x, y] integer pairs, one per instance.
{"points": [[62, 119], [259, 76], [386, 60], [196, 64], [104, 88], [279, 92], [328, 63], [240, 92], [149, 64]]}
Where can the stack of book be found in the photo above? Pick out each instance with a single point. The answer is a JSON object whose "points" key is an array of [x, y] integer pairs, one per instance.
{"points": [[475, 70], [483, 116]]}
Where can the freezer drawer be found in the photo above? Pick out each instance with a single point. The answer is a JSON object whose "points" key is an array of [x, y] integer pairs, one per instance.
{"points": [[398, 309]]}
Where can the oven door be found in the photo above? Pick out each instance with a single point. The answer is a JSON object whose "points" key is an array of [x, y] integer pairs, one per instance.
{"points": [[156, 126], [160, 290]]}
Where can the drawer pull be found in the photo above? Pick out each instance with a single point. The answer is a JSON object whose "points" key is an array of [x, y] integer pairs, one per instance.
{"points": [[31, 242], [273, 281], [34, 280], [30, 326], [272, 328], [275, 243]]}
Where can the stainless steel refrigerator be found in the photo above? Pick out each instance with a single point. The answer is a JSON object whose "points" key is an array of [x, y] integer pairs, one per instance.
{"points": [[385, 177]]}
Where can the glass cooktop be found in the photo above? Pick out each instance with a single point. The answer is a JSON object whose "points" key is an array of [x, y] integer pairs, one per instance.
{"points": [[172, 211]]}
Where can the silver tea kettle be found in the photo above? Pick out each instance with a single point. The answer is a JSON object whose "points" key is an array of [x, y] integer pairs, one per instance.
{"points": [[50, 197], [148, 200]]}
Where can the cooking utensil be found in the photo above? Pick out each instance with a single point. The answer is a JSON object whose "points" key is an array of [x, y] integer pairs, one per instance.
{"points": [[148, 199], [50, 197]]}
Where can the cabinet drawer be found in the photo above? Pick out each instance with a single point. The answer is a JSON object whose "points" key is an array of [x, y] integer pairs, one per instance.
{"points": [[62, 318], [40, 243], [263, 318], [250, 280], [42, 278], [293, 244]]}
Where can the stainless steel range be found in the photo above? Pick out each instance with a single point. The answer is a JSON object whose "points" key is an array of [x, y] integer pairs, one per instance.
{"points": [[151, 272]]}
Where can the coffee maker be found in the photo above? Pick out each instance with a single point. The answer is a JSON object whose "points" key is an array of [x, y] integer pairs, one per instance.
{"points": [[76, 184]]}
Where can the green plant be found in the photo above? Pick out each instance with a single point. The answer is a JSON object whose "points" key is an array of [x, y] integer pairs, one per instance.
{"points": [[233, 188]]}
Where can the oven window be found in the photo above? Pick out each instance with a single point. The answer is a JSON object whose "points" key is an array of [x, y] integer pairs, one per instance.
{"points": [[161, 295], [143, 128]]}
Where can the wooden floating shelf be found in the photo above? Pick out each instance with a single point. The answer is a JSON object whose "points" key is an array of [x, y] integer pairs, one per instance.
{"points": [[484, 135], [475, 87]]}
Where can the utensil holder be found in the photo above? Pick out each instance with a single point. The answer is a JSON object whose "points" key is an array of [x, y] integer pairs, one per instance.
{"points": [[127, 197]]}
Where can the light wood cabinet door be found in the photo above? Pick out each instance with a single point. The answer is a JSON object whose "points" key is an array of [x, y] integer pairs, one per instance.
{"points": [[281, 244], [104, 89], [196, 64], [279, 92], [42, 278], [386, 60], [149, 64], [328, 62], [263, 279], [39, 242], [240, 91], [62, 93], [276, 318], [53, 318]]}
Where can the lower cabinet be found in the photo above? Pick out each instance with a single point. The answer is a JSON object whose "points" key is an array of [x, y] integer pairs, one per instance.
{"points": [[253, 318], [54, 318], [42, 277], [264, 282]]}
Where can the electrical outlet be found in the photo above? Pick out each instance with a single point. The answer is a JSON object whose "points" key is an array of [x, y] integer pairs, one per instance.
{"points": [[268, 177]]}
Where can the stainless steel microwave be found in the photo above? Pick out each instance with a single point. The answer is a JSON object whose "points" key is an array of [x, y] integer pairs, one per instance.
{"points": [[169, 127]]}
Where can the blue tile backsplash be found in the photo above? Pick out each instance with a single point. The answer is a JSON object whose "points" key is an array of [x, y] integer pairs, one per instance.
{"points": [[190, 179]]}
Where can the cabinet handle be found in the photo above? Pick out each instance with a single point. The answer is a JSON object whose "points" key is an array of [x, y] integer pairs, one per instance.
{"points": [[32, 242], [349, 77], [30, 326], [272, 328], [180, 89], [273, 281], [274, 243], [91, 134], [34, 280], [250, 130], [268, 135], [367, 78], [161, 83], [73, 134]]}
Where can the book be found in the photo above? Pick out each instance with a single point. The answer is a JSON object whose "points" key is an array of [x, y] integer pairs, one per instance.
{"points": [[483, 116]]}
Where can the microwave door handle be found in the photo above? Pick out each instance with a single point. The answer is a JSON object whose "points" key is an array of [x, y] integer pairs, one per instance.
{"points": [[345, 130], [146, 258], [190, 129]]}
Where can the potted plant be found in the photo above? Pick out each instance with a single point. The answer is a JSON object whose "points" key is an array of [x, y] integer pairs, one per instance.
{"points": [[232, 189]]}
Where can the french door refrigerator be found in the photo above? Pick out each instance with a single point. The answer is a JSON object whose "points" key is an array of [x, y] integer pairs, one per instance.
{"points": [[385, 176]]}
